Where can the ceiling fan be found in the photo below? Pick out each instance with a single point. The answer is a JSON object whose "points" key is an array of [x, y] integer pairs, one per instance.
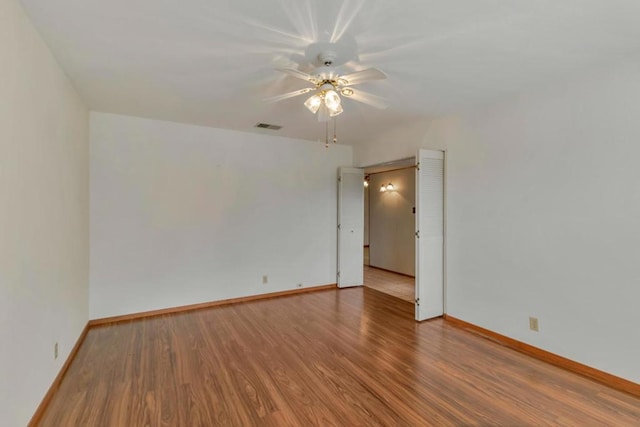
{"points": [[328, 85]]}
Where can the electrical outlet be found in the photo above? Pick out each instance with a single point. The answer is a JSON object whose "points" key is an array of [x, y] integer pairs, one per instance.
{"points": [[55, 350], [265, 279], [533, 324]]}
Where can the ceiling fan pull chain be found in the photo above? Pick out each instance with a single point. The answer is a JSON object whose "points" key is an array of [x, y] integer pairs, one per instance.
{"points": [[326, 134], [335, 134]]}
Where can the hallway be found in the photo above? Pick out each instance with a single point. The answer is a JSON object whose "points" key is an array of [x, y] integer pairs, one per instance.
{"points": [[394, 284]]}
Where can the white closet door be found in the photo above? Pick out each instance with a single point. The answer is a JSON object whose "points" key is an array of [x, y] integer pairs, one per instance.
{"points": [[429, 234], [350, 227]]}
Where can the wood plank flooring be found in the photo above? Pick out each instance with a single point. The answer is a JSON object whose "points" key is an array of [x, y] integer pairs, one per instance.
{"points": [[346, 357], [394, 284]]}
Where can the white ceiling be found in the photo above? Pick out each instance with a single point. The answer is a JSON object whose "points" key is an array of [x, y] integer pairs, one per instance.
{"points": [[212, 62]]}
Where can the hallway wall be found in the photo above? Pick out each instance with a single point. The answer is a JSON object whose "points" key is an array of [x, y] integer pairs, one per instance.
{"points": [[392, 221]]}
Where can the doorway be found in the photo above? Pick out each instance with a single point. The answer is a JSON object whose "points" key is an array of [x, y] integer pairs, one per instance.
{"points": [[429, 226], [389, 228]]}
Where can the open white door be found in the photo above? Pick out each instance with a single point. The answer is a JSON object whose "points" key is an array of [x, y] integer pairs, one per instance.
{"points": [[350, 227], [429, 234]]}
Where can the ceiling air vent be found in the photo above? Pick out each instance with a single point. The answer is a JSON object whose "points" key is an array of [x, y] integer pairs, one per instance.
{"points": [[268, 126]]}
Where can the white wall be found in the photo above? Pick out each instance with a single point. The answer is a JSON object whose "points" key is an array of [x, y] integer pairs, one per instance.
{"points": [[543, 214], [44, 215], [403, 142], [544, 219], [183, 214], [392, 222]]}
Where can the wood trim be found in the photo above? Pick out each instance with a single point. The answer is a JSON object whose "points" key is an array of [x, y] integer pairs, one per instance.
{"points": [[37, 416], [392, 170], [183, 308], [391, 271], [554, 359]]}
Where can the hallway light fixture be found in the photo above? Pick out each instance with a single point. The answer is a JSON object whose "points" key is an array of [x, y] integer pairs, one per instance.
{"points": [[385, 188]]}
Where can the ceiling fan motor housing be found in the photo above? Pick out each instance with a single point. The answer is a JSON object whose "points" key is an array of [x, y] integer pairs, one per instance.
{"points": [[326, 87], [327, 58]]}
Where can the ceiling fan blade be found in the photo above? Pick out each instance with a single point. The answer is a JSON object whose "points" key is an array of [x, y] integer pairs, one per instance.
{"points": [[288, 95], [362, 76], [369, 99], [299, 74]]}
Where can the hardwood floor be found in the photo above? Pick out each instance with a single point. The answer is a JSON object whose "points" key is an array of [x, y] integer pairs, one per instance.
{"points": [[394, 284], [338, 357]]}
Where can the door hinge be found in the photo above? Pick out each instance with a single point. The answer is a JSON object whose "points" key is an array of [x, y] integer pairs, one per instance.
{"points": [[338, 274], [339, 179], [338, 226], [418, 234], [418, 166], [417, 301]]}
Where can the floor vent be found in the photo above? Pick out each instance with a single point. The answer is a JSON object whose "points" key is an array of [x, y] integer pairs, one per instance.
{"points": [[268, 126]]}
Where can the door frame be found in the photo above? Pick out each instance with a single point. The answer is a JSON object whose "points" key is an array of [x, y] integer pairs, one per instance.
{"points": [[390, 163]]}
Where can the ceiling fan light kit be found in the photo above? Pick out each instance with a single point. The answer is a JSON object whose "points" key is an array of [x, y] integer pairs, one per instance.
{"points": [[347, 91], [327, 96], [325, 101], [329, 85], [327, 82], [313, 103], [332, 100]]}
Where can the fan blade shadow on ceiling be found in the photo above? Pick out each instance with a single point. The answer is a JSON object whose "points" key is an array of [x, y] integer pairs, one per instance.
{"points": [[369, 99], [363, 76], [298, 74], [300, 60]]}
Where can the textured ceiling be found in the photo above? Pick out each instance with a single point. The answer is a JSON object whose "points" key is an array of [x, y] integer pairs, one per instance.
{"points": [[212, 62]]}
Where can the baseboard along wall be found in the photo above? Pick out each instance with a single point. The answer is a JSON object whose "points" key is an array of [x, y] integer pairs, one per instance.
{"points": [[183, 308], [551, 358]]}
